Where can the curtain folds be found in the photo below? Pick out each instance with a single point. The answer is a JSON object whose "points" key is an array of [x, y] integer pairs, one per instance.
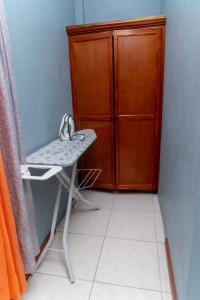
{"points": [[11, 145], [12, 279]]}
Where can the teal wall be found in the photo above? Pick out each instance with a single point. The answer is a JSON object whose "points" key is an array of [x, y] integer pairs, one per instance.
{"points": [[39, 48], [88, 11], [42, 69], [40, 57], [179, 190], [40, 54]]}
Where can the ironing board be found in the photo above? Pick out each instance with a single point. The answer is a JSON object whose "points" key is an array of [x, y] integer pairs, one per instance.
{"points": [[64, 154]]}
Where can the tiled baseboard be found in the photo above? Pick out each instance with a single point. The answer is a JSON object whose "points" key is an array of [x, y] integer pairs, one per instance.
{"points": [[43, 245], [171, 272]]}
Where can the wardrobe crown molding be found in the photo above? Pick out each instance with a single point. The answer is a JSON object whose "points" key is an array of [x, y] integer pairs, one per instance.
{"points": [[115, 25]]}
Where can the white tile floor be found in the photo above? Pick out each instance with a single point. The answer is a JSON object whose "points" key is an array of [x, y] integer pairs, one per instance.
{"points": [[117, 253]]}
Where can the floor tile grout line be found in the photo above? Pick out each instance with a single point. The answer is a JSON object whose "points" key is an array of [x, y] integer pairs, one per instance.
{"points": [[102, 282], [102, 247], [136, 210], [129, 286], [128, 209], [112, 237], [65, 277], [149, 212], [62, 276], [93, 281], [105, 236], [126, 239]]}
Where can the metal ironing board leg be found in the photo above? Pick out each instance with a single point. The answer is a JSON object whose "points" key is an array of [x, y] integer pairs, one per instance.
{"points": [[53, 226], [47, 248], [66, 185], [77, 194], [67, 154], [69, 184], [65, 231]]}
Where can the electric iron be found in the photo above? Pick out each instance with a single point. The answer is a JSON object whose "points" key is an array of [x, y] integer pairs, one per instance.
{"points": [[67, 129]]}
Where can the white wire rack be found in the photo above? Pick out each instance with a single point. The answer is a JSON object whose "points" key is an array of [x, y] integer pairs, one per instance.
{"points": [[87, 177]]}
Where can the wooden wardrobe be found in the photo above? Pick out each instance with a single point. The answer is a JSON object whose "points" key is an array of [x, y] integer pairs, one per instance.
{"points": [[117, 88]]}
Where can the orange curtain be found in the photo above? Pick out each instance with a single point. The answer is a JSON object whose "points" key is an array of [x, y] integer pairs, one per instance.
{"points": [[12, 279]]}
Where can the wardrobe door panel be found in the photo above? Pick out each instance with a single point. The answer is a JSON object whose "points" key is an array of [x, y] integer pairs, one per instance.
{"points": [[135, 153], [92, 75], [101, 154], [138, 70], [138, 56], [92, 86]]}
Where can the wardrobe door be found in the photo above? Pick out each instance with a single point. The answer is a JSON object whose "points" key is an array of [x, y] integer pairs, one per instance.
{"points": [[92, 81], [100, 154], [136, 153], [138, 93]]}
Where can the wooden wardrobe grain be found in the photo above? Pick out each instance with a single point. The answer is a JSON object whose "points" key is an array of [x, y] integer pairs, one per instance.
{"points": [[92, 82], [138, 76], [117, 85]]}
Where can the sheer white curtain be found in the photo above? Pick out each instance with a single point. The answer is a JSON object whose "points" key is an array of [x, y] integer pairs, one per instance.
{"points": [[11, 145]]}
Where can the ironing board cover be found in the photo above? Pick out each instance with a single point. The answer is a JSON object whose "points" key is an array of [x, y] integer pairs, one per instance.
{"points": [[63, 153]]}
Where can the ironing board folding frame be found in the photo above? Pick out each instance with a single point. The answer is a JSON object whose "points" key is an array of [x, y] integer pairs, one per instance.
{"points": [[69, 183]]}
